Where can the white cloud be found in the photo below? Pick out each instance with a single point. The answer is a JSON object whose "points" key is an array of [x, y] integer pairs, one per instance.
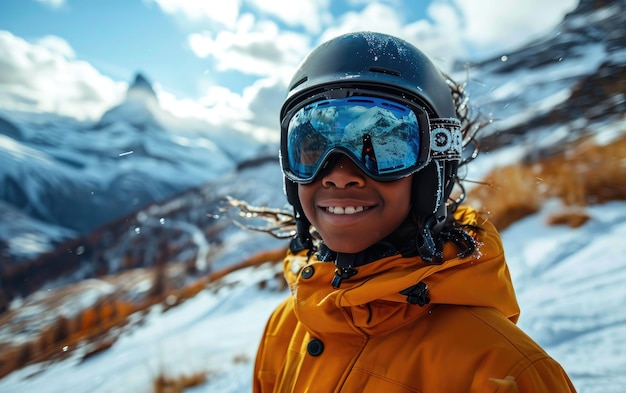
{"points": [[264, 100], [311, 14], [224, 13], [218, 105], [374, 17], [494, 26], [57, 45], [44, 77], [457, 29], [253, 48], [254, 112], [434, 39], [52, 3], [440, 39]]}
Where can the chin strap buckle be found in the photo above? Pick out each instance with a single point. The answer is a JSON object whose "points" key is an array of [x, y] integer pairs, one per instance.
{"points": [[299, 243], [302, 239]]}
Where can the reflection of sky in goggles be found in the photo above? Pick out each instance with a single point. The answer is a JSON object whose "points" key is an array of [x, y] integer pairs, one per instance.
{"points": [[387, 140]]}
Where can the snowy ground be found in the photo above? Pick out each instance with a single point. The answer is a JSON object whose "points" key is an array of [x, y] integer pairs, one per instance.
{"points": [[570, 284]]}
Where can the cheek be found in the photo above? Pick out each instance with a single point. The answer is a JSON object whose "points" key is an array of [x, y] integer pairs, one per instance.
{"points": [[399, 194], [398, 201], [398, 206]]}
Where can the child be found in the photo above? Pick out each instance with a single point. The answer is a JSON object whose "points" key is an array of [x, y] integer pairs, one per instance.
{"points": [[394, 286]]}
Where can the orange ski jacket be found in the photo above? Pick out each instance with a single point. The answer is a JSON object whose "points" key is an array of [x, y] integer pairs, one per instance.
{"points": [[369, 336]]}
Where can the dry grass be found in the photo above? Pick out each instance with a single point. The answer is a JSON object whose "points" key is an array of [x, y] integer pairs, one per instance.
{"points": [[97, 327], [165, 384], [581, 174]]}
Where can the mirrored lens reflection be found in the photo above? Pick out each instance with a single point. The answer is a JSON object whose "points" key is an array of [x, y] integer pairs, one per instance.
{"points": [[382, 135]]}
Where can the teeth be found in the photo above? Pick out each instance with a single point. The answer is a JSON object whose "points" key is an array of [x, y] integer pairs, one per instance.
{"points": [[345, 210]]}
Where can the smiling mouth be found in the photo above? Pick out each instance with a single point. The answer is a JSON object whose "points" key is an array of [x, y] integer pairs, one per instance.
{"points": [[346, 210]]}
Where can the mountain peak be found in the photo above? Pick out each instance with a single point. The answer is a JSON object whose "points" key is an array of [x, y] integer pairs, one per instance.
{"points": [[141, 88], [140, 108]]}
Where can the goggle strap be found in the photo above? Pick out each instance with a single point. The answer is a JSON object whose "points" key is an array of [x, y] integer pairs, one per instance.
{"points": [[446, 139]]}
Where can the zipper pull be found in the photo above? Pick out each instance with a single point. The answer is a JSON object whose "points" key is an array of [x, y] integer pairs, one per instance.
{"points": [[345, 269]]}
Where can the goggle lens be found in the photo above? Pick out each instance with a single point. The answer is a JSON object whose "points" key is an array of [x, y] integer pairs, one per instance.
{"points": [[384, 138]]}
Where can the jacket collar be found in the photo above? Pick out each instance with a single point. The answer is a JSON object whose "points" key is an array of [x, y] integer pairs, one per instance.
{"points": [[383, 249], [375, 299]]}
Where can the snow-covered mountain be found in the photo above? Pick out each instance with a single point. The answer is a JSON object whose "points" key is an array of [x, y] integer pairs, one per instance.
{"points": [[68, 185], [557, 87], [77, 176]]}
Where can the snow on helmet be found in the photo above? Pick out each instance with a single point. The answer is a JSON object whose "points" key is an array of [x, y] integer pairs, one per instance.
{"points": [[369, 61]]}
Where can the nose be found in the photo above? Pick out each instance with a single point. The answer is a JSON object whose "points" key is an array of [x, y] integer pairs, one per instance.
{"points": [[343, 174]]}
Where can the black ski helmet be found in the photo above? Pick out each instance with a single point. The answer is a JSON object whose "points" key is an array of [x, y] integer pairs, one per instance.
{"points": [[378, 62]]}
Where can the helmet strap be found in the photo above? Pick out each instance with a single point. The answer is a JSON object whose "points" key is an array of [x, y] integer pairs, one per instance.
{"points": [[441, 210], [302, 240], [429, 239], [429, 243]]}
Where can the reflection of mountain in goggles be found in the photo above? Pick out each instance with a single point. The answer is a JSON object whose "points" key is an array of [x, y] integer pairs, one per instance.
{"points": [[387, 140]]}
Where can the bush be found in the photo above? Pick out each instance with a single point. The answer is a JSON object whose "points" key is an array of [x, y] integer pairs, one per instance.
{"points": [[579, 174]]}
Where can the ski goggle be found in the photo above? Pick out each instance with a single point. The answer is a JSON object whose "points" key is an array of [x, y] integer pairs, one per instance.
{"points": [[387, 140]]}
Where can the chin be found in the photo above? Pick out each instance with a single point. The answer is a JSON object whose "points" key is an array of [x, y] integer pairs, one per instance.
{"points": [[339, 247]]}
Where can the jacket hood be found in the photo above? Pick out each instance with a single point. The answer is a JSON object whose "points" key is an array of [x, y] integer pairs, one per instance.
{"points": [[375, 299]]}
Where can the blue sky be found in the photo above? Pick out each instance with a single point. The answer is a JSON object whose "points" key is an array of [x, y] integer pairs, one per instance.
{"points": [[226, 61]]}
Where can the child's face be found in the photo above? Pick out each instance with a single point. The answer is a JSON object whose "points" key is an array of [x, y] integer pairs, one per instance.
{"points": [[377, 208]]}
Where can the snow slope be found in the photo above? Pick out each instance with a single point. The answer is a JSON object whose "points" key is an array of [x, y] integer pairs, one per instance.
{"points": [[569, 284]]}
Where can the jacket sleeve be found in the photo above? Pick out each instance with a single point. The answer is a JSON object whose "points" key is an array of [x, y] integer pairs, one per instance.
{"points": [[544, 375], [273, 348], [257, 385]]}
